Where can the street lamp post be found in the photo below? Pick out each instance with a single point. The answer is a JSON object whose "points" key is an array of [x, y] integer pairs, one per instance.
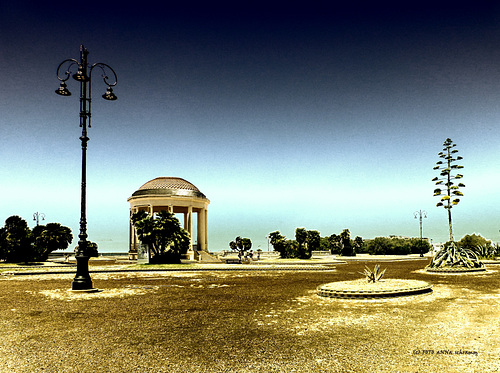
{"points": [[36, 217], [421, 214], [82, 280]]}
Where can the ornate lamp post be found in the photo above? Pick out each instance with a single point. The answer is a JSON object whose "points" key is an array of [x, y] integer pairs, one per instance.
{"points": [[37, 215], [82, 280], [421, 214]]}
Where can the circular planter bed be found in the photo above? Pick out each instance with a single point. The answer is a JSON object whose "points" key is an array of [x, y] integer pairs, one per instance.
{"points": [[454, 270], [361, 289]]}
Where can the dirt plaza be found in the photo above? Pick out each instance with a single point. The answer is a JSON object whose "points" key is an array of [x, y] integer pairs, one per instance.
{"points": [[247, 321]]}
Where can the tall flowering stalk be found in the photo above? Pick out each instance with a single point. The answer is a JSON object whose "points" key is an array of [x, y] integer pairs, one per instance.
{"points": [[445, 182], [452, 255]]}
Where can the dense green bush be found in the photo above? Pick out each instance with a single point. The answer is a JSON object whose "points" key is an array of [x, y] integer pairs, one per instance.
{"points": [[483, 247], [397, 246], [471, 241]]}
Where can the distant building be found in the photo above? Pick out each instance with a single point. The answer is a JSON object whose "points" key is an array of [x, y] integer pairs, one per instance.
{"points": [[175, 195]]}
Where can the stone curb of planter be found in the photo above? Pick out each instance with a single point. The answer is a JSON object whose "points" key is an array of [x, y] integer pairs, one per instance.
{"points": [[455, 270], [324, 291]]}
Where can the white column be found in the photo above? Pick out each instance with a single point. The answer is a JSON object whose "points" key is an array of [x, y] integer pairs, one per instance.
{"points": [[201, 234], [205, 228], [130, 234], [198, 230], [190, 226]]}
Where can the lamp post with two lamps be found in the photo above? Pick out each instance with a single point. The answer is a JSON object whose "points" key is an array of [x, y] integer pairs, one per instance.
{"points": [[36, 217], [82, 280], [421, 214]]}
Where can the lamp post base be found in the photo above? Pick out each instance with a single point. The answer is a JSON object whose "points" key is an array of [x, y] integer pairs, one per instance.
{"points": [[82, 280]]}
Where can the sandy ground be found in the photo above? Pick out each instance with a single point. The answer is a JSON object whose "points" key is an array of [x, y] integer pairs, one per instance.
{"points": [[247, 321]]}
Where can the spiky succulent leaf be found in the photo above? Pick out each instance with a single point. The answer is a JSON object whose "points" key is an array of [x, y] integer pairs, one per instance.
{"points": [[373, 275]]}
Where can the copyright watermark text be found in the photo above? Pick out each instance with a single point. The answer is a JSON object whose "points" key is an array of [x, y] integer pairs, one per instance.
{"points": [[444, 352]]}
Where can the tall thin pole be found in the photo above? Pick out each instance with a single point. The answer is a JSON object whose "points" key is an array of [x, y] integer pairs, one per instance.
{"points": [[82, 279], [450, 224], [421, 214]]}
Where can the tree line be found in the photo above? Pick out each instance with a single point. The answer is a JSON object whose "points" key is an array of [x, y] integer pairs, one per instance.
{"points": [[307, 241], [19, 243]]}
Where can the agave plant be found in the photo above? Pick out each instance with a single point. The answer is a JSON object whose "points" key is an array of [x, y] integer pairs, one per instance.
{"points": [[486, 251], [375, 275], [455, 256]]}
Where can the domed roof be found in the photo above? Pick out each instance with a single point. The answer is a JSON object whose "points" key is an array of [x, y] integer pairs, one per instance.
{"points": [[173, 186]]}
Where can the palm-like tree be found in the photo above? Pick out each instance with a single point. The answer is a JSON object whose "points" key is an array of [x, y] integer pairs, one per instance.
{"points": [[51, 237], [301, 238], [163, 234], [335, 244], [241, 245], [347, 249]]}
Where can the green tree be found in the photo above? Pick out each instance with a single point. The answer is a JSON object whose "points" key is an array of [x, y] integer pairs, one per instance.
{"points": [[335, 244], [347, 249], [445, 182], [166, 239], [286, 248], [358, 244], [275, 238], [51, 237], [325, 244], [16, 241], [303, 245], [301, 237], [241, 245], [313, 240], [3, 243]]}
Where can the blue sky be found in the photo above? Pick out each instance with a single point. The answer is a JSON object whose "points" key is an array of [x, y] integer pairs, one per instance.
{"points": [[324, 117]]}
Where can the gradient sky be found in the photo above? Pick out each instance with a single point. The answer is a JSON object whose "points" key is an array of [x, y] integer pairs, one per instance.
{"points": [[323, 117]]}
